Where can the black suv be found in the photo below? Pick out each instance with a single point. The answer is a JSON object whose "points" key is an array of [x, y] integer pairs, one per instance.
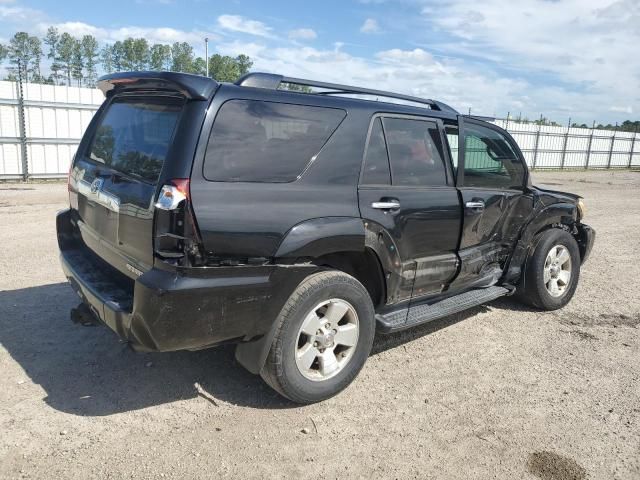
{"points": [[295, 218]]}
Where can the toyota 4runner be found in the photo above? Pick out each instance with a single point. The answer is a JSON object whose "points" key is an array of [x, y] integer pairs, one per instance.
{"points": [[295, 218]]}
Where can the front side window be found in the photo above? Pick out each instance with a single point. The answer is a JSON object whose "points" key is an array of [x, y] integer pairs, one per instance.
{"points": [[257, 141], [415, 152], [134, 135], [489, 160]]}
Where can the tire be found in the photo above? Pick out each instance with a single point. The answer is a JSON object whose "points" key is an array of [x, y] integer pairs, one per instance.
{"points": [[541, 266], [285, 369]]}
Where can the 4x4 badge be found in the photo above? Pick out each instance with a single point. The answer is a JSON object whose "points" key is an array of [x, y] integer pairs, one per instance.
{"points": [[96, 185]]}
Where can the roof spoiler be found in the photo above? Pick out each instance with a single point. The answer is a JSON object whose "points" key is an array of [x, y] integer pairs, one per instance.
{"points": [[194, 87]]}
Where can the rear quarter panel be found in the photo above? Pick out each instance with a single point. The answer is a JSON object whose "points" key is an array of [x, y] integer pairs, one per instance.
{"points": [[250, 219]]}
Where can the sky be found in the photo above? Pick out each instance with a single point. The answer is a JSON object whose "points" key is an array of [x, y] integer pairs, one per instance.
{"points": [[577, 59]]}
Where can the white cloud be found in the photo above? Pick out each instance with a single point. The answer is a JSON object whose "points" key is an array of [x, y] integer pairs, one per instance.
{"points": [[303, 34], [152, 35], [235, 48], [628, 109], [414, 72], [396, 55], [588, 47], [20, 15], [237, 23], [370, 25]]}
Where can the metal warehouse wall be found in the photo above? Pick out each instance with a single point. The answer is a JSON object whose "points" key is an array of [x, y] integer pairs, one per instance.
{"points": [[56, 116]]}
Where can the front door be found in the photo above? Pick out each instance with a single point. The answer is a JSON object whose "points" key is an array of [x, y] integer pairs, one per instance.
{"points": [[491, 176], [407, 191]]}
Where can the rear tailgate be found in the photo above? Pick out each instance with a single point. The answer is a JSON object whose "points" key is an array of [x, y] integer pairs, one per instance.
{"points": [[116, 176]]}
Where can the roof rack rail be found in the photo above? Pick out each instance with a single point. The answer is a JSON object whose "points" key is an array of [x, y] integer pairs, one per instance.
{"points": [[273, 81]]}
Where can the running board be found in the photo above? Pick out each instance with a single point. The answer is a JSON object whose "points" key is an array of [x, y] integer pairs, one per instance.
{"points": [[419, 314]]}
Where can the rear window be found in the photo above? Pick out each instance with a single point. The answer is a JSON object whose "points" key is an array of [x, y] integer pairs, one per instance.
{"points": [[134, 135], [257, 141]]}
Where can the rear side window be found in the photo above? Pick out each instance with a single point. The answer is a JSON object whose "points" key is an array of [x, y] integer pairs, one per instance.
{"points": [[134, 135], [415, 152], [257, 141], [376, 162]]}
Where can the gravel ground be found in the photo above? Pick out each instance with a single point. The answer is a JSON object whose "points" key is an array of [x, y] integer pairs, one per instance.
{"points": [[500, 391]]}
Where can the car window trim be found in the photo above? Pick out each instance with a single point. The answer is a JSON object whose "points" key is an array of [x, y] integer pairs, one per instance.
{"points": [[366, 149]]}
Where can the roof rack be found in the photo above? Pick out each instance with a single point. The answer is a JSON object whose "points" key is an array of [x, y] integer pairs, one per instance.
{"points": [[273, 82]]}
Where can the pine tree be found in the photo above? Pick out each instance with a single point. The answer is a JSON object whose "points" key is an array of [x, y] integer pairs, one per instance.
{"points": [[128, 54], [52, 39], [106, 58], [77, 62], [35, 48], [65, 54], [160, 57], [117, 56], [244, 64], [182, 56], [27, 51], [90, 57], [140, 54]]}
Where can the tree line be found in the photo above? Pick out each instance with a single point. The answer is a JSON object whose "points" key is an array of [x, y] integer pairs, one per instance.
{"points": [[78, 60]]}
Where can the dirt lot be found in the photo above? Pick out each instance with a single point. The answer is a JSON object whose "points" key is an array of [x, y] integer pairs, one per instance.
{"points": [[497, 392]]}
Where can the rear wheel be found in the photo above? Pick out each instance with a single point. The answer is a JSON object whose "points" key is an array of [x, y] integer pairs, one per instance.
{"points": [[552, 270], [324, 337]]}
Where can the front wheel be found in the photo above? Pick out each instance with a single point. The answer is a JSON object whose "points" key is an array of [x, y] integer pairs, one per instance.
{"points": [[324, 337], [552, 270]]}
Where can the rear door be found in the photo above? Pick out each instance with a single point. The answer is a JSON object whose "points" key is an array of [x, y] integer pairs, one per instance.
{"points": [[491, 178], [114, 178], [407, 189]]}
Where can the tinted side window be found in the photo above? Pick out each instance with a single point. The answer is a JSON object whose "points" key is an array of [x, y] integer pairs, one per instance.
{"points": [[415, 152], [376, 161], [489, 160], [256, 141]]}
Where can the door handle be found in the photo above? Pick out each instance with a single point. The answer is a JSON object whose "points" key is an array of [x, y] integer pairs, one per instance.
{"points": [[475, 205], [386, 205]]}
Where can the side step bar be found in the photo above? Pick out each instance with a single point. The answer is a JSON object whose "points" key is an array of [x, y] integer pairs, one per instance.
{"points": [[418, 314]]}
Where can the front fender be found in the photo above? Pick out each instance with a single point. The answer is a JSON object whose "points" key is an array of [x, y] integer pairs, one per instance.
{"points": [[555, 214]]}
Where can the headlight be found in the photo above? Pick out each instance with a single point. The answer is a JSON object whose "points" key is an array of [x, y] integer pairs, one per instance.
{"points": [[582, 209]]}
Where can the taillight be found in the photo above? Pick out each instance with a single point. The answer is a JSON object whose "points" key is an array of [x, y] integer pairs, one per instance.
{"points": [[177, 238], [170, 197]]}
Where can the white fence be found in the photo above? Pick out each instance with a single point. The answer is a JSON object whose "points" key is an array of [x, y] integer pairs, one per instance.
{"points": [[41, 143], [546, 147], [55, 118]]}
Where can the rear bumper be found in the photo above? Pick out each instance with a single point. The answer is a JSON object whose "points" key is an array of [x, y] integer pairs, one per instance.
{"points": [[188, 309], [586, 237]]}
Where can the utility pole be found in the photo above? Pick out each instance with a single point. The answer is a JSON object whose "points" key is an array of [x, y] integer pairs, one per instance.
{"points": [[206, 54]]}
